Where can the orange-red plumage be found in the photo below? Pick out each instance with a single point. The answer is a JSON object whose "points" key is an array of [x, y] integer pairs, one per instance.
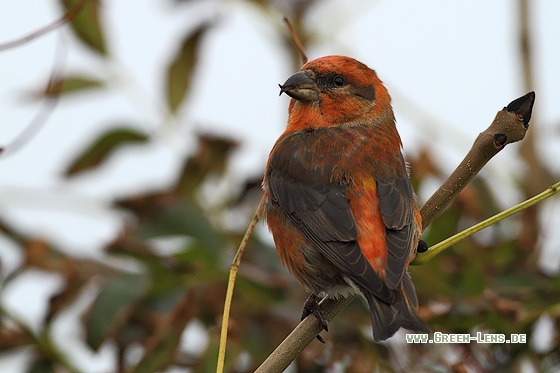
{"points": [[338, 199]]}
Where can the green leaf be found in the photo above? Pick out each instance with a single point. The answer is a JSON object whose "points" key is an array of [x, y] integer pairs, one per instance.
{"points": [[102, 147], [472, 282], [86, 24], [160, 353], [186, 220], [211, 158], [179, 72], [41, 365], [112, 307], [71, 84], [161, 356]]}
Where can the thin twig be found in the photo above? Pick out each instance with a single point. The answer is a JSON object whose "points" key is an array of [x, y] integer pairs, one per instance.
{"points": [[237, 260], [44, 111], [296, 40], [231, 284], [441, 246], [69, 16]]}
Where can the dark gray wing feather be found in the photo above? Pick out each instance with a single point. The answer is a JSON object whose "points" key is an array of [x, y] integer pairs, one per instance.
{"points": [[396, 202]]}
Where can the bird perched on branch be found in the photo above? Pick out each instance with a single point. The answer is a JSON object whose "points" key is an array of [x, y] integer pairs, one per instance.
{"points": [[338, 199]]}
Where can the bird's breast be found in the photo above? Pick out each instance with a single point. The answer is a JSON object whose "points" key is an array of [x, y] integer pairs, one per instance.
{"points": [[343, 152]]}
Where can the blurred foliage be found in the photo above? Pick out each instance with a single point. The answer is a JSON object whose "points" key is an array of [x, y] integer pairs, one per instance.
{"points": [[86, 24], [182, 68], [101, 148], [487, 285], [69, 85]]}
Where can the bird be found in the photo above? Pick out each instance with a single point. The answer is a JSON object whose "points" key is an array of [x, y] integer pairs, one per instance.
{"points": [[337, 195]]}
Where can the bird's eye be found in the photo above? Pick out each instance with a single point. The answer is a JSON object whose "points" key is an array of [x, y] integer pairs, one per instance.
{"points": [[339, 81]]}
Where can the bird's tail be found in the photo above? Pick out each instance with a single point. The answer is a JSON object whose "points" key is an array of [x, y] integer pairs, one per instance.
{"points": [[387, 319]]}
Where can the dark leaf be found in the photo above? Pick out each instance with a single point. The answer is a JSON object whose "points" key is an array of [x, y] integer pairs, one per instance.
{"points": [[471, 281], [102, 147], [41, 365], [201, 258], [183, 219], [71, 84], [112, 307], [161, 350], [147, 205], [211, 157], [86, 24], [65, 297], [180, 70], [63, 86]]}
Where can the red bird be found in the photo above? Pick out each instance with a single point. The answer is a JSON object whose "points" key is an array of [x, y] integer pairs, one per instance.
{"points": [[338, 199]]}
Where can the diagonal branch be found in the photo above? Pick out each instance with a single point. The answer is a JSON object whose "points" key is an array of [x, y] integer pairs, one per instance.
{"points": [[70, 15], [296, 40], [448, 242], [45, 110], [510, 125]]}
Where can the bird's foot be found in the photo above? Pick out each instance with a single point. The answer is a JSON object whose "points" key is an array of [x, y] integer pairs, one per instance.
{"points": [[312, 306]]}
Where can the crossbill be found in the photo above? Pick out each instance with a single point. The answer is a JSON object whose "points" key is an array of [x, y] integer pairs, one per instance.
{"points": [[338, 200]]}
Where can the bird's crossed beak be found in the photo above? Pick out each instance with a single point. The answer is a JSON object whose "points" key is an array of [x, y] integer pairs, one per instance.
{"points": [[301, 87]]}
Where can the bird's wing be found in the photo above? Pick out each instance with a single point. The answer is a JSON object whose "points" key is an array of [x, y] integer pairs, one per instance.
{"points": [[320, 208], [396, 203]]}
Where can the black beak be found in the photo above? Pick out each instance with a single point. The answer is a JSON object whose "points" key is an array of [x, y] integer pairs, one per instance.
{"points": [[301, 87]]}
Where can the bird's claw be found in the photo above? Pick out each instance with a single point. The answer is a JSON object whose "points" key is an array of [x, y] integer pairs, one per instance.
{"points": [[312, 306]]}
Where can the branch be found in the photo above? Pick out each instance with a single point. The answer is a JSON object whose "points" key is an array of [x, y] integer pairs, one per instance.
{"points": [[44, 111], [448, 242], [296, 40], [510, 125], [231, 283], [301, 336], [69, 16]]}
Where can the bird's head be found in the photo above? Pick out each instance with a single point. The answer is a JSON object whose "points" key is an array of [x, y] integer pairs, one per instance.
{"points": [[334, 90]]}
